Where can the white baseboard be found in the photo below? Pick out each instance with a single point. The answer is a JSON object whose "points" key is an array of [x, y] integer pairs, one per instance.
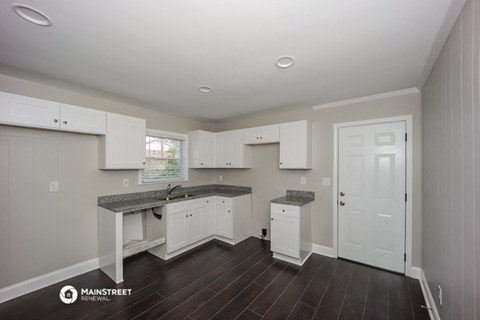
{"points": [[322, 250], [27, 286], [427, 295], [415, 273]]}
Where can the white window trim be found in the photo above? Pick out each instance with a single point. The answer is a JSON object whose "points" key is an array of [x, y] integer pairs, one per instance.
{"points": [[168, 135]]}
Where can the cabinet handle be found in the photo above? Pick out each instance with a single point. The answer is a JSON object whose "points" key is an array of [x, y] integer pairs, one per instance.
{"points": [[261, 137], [228, 210], [207, 201], [281, 163], [272, 219], [190, 215], [143, 162], [186, 216], [55, 120], [283, 210], [257, 138], [65, 122], [201, 163]]}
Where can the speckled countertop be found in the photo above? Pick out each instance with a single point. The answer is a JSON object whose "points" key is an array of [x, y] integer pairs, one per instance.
{"points": [[144, 200], [295, 198]]}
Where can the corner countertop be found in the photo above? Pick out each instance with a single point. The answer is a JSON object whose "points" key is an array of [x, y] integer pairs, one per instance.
{"points": [[144, 200], [295, 198]]}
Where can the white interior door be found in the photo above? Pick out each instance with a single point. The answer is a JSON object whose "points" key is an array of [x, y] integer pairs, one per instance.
{"points": [[371, 194]]}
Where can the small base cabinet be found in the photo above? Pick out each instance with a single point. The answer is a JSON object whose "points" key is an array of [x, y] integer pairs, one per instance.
{"points": [[291, 238]]}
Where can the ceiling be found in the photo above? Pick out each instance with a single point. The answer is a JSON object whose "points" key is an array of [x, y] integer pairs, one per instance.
{"points": [[161, 52]]}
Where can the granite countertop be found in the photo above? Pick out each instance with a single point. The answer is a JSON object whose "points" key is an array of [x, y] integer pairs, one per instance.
{"points": [[295, 198], [151, 199]]}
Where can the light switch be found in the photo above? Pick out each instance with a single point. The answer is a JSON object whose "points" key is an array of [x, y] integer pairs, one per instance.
{"points": [[303, 181], [54, 186], [326, 181], [220, 177], [126, 182]]}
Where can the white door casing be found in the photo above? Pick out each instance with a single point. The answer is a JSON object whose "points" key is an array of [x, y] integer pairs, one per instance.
{"points": [[371, 194]]}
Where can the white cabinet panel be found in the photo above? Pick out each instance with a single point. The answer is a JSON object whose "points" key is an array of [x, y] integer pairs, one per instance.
{"points": [[230, 151], [195, 225], [209, 216], [285, 235], [201, 149], [78, 119], [295, 145], [260, 135], [123, 146], [30, 112], [224, 221], [176, 231]]}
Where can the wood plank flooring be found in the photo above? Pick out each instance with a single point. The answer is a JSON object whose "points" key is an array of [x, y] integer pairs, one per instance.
{"points": [[218, 281]]}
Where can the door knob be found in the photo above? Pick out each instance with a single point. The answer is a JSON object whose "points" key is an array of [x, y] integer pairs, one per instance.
{"points": [[341, 203], [342, 194]]}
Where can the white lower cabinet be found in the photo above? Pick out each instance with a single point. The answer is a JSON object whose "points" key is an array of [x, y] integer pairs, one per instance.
{"points": [[291, 237]]}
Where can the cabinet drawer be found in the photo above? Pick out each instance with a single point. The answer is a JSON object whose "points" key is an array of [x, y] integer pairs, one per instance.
{"points": [[221, 201], [285, 210]]}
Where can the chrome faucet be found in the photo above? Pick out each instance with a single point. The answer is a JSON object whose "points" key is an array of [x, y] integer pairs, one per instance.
{"points": [[170, 188]]}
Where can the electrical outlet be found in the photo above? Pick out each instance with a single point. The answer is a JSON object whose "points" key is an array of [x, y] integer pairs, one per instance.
{"points": [[303, 181], [54, 186], [220, 177], [126, 182], [440, 295]]}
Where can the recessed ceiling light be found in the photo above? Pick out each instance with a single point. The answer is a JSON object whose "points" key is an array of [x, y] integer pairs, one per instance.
{"points": [[32, 15], [284, 62], [205, 89]]}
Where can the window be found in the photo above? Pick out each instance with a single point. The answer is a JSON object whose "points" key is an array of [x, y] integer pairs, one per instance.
{"points": [[166, 157]]}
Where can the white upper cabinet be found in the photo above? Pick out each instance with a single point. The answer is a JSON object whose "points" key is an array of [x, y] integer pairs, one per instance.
{"points": [[260, 135], [296, 145], [230, 151], [201, 149], [123, 146], [31, 112], [78, 119]]}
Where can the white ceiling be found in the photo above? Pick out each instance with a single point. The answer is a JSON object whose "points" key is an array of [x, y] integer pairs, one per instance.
{"points": [[160, 52]]}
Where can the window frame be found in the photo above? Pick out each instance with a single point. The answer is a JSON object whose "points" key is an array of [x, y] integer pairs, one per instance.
{"points": [[168, 135]]}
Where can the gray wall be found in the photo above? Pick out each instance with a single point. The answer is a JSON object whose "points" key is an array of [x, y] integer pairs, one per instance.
{"points": [[269, 182], [42, 231], [451, 167]]}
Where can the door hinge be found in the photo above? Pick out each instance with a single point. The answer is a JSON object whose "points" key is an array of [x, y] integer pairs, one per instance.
{"points": [[406, 197], [405, 257], [405, 137]]}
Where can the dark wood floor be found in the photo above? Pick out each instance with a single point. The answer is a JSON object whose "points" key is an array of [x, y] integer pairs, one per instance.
{"points": [[218, 281]]}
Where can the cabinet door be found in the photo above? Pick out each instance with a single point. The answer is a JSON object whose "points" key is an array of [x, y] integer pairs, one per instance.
{"points": [[195, 225], [209, 216], [223, 149], [259, 135], [31, 112], [224, 221], [295, 145], [123, 146], [285, 235], [230, 151], [202, 149], [176, 231], [78, 119]]}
